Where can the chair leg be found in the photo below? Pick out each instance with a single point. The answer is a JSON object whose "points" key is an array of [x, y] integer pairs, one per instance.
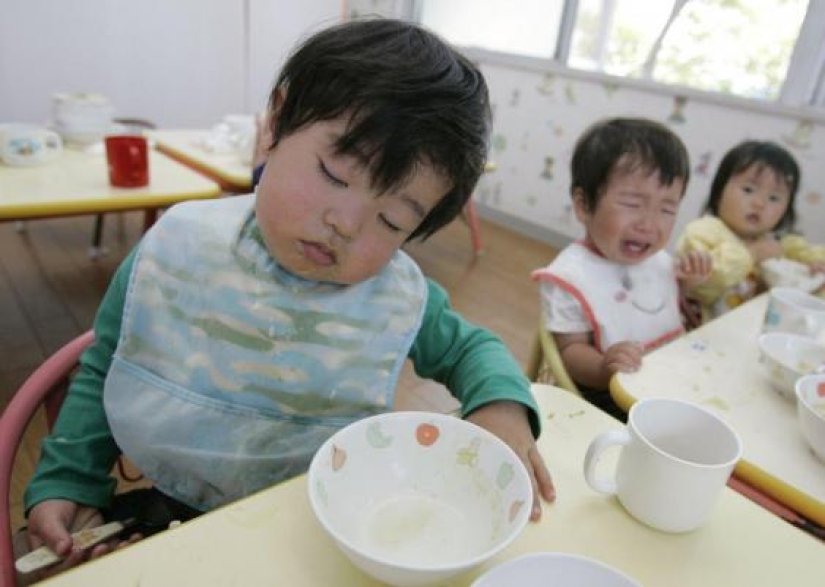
{"points": [[95, 250], [471, 217], [534, 362]]}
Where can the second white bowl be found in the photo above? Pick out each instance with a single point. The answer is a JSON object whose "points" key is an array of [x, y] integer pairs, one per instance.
{"points": [[547, 569], [788, 357]]}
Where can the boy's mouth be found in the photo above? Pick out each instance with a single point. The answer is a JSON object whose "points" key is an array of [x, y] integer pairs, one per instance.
{"points": [[634, 249], [752, 218], [318, 253]]}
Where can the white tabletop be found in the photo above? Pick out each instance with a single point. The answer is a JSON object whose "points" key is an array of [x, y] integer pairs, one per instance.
{"points": [[272, 538], [717, 366], [78, 183]]}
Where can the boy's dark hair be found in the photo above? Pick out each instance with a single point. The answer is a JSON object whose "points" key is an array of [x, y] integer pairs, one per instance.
{"points": [[766, 154], [630, 143], [413, 99]]}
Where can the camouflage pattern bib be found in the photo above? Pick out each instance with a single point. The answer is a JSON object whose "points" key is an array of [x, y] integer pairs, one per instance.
{"points": [[230, 372]]}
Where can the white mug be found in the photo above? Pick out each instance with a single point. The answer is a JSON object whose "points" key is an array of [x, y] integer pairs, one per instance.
{"points": [[27, 144], [676, 458], [794, 311]]}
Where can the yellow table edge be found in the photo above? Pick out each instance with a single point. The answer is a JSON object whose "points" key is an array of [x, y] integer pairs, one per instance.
{"points": [[772, 486], [134, 200], [237, 181]]}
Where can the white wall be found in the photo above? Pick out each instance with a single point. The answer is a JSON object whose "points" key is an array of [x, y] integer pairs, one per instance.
{"points": [[180, 63]]}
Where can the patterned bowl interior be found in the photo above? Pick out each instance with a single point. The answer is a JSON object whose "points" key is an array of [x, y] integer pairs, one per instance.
{"points": [[419, 490]]}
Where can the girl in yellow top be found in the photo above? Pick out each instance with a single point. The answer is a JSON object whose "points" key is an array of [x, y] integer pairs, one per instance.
{"points": [[750, 217]]}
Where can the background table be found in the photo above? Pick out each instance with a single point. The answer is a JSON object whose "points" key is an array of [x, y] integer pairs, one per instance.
{"points": [[272, 538], [78, 183], [187, 146], [718, 366]]}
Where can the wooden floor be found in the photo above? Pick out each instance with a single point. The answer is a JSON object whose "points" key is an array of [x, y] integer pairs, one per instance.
{"points": [[50, 290]]}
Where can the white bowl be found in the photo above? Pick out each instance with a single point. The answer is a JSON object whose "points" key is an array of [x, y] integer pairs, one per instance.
{"points": [[554, 569], [810, 409], [788, 357], [415, 497], [781, 272]]}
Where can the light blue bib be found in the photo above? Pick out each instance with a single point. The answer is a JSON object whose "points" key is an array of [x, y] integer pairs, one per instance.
{"points": [[230, 372]]}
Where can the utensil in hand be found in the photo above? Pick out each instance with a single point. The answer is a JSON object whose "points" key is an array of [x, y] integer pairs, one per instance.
{"points": [[82, 540]]}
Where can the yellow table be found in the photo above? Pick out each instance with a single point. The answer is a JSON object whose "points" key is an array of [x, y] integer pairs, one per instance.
{"points": [[272, 538], [78, 183], [187, 146], [718, 366]]}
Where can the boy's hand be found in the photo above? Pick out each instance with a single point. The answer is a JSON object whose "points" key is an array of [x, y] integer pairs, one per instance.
{"points": [[51, 523], [508, 421], [694, 268], [816, 267], [625, 357]]}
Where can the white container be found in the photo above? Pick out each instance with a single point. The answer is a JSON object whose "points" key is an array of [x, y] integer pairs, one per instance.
{"points": [[547, 569], [787, 357], [81, 119], [413, 498], [810, 408]]}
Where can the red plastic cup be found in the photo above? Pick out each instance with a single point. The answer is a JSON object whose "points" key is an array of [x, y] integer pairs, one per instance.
{"points": [[128, 159]]}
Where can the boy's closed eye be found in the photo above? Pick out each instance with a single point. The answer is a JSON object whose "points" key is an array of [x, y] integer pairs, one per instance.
{"points": [[631, 203], [329, 175], [389, 224]]}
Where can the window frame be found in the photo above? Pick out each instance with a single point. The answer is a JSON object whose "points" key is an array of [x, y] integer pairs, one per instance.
{"points": [[809, 35]]}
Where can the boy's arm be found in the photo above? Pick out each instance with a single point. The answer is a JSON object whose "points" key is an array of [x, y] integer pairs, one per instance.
{"points": [[470, 361], [77, 457], [730, 260], [587, 366], [479, 370], [796, 248]]}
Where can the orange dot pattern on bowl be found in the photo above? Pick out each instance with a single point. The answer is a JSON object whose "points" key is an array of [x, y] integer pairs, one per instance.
{"points": [[426, 435]]}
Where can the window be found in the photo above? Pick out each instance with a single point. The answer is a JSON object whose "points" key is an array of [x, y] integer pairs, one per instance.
{"points": [[740, 47], [499, 25]]}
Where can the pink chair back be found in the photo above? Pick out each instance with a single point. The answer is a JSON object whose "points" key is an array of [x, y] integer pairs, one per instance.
{"points": [[47, 387]]}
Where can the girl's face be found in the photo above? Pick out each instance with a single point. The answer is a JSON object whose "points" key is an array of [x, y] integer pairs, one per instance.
{"points": [[754, 201], [319, 215], [634, 217]]}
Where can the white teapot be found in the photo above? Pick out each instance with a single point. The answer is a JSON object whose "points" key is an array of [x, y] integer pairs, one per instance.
{"points": [[82, 118]]}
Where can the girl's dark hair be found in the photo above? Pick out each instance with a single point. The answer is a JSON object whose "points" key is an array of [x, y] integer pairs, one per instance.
{"points": [[767, 155], [632, 143], [412, 100]]}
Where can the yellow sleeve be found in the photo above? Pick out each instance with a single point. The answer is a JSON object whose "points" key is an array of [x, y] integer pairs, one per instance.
{"points": [[732, 262], [796, 248]]}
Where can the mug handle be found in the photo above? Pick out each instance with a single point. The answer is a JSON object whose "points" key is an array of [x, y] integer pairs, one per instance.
{"points": [[594, 452], [52, 142]]}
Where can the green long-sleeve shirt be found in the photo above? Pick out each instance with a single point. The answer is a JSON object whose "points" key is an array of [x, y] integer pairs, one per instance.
{"points": [[77, 458]]}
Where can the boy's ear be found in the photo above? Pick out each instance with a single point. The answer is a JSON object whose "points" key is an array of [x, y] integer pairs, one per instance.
{"points": [[579, 206], [277, 101]]}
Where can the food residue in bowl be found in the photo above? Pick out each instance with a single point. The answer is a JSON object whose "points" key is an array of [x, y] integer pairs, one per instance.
{"points": [[417, 529]]}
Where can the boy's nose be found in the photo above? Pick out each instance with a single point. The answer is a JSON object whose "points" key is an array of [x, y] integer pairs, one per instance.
{"points": [[647, 221], [345, 221]]}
